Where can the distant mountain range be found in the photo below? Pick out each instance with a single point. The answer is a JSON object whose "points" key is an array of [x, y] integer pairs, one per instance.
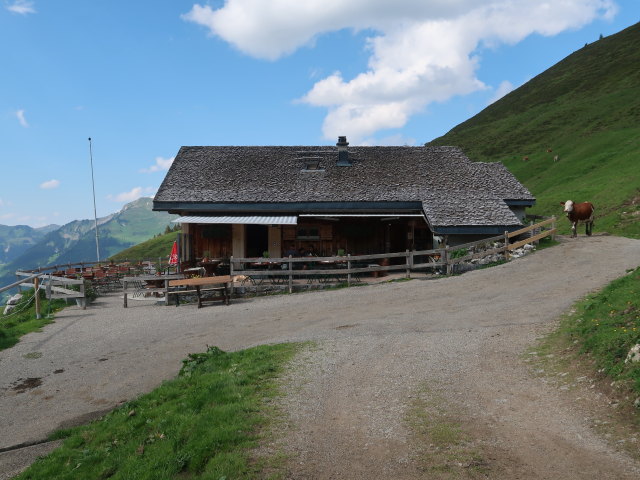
{"points": [[14, 241], [23, 247]]}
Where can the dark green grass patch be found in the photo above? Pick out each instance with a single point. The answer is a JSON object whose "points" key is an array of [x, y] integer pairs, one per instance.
{"points": [[200, 425], [23, 318]]}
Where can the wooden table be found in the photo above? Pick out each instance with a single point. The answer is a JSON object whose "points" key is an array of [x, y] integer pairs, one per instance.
{"points": [[224, 282]]}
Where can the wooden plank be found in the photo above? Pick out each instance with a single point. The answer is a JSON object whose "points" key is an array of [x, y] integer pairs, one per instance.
{"points": [[531, 227], [421, 253], [519, 244], [418, 266], [66, 292], [36, 284], [180, 292], [20, 283], [198, 282]]}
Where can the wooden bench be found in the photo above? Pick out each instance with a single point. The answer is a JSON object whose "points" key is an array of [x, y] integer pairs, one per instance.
{"points": [[221, 283]]}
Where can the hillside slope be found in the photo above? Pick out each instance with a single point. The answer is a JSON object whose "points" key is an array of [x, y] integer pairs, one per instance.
{"points": [[16, 240], [586, 110], [75, 241], [152, 249]]}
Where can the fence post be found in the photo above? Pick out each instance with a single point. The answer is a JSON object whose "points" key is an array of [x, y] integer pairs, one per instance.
{"points": [[49, 287], [231, 266], [408, 263], [553, 226], [84, 296], [36, 293], [348, 270], [506, 246], [290, 275], [447, 257]]}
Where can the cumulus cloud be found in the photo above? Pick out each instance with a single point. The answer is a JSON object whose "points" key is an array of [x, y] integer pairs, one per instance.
{"points": [[133, 194], [22, 119], [23, 7], [505, 87], [161, 164], [49, 184], [421, 51]]}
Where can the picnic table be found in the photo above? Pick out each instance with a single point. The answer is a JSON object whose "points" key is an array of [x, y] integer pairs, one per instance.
{"points": [[221, 283]]}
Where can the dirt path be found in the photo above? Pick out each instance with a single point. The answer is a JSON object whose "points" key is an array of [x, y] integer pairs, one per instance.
{"points": [[383, 353]]}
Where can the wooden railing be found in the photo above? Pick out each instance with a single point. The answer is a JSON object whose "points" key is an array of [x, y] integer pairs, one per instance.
{"points": [[349, 268], [55, 287]]}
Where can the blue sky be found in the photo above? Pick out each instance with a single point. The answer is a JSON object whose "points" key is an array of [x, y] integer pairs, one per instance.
{"points": [[144, 78]]}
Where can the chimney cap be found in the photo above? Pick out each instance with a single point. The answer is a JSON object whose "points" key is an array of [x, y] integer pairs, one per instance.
{"points": [[342, 141]]}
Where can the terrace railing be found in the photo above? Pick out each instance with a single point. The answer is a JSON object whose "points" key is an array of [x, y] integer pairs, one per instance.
{"points": [[349, 269]]}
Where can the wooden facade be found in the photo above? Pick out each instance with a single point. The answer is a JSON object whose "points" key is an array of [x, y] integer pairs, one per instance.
{"points": [[316, 236]]}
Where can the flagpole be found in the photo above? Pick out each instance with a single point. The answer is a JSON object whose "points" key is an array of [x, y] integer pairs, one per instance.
{"points": [[95, 215]]}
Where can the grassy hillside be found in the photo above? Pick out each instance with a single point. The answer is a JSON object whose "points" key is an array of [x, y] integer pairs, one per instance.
{"points": [[158, 247], [586, 110]]}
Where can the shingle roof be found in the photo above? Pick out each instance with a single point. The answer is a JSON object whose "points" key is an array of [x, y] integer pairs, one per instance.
{"points": [[452, 189]]}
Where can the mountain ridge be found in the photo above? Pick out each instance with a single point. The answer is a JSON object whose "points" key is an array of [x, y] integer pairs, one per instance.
{"points": [[571, 132], [75, 241]]}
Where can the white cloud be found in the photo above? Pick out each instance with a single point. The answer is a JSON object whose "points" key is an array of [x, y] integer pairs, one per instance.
{"points": [[421, 51], [161, 164], [505, 87], [391, 141], [133, 194], [21, 118], [49, 184], [23, 7]]}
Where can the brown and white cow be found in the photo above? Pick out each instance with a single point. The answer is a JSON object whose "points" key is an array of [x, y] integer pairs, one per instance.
{"points": [[579, 213]]}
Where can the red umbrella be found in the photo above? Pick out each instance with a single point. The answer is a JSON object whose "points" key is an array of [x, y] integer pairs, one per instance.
{"points": [[173, 258]]}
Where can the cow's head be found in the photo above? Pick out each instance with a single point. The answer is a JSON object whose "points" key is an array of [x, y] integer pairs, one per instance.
{"points": [[568, 206]]}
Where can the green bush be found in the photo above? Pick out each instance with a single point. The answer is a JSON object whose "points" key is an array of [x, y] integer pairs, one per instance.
{"points": [[461, 252]]}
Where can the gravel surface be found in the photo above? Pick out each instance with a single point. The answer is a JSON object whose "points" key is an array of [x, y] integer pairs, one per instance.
{"points": [[378, 350]]}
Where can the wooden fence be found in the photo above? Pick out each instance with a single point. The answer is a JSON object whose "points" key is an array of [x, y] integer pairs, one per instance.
{"points": [[55, 287], [350, 268]]}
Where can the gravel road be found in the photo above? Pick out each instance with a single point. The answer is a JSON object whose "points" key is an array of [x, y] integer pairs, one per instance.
{"points": [[380, 351]]}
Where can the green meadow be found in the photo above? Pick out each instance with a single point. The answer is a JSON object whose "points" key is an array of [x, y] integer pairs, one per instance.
{"points": [[585, 110]]}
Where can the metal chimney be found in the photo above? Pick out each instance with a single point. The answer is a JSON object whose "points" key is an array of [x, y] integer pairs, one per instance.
{"points": [[343, 153]]}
